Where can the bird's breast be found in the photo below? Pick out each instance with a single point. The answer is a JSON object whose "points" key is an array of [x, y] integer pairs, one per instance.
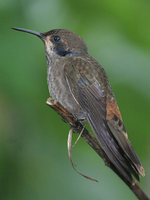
{"points": [[59, 90]]}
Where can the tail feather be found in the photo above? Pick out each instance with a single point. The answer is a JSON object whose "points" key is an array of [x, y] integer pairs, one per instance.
{"points": [[111, 148]]}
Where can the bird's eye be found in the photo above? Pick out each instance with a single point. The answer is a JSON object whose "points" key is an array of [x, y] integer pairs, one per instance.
{"points": [[56, 38]]}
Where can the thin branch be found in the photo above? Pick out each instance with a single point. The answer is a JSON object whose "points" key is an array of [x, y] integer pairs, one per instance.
{"points": [[78, 127]]}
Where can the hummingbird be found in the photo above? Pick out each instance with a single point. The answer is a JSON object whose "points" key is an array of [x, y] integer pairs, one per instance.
{"points": [[80, 84]]}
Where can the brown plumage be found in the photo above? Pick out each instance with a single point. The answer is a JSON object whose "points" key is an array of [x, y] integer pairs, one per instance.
{"points": [[80, 84]]}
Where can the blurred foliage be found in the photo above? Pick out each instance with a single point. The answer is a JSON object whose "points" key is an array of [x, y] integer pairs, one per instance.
{"points": [[33, 155]]}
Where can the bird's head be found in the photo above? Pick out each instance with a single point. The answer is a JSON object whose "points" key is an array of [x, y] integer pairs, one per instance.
{"points": [[60, 42]]}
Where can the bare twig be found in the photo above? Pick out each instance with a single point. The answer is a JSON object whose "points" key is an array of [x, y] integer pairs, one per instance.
{"points": [[69, 145], [90, 139]]}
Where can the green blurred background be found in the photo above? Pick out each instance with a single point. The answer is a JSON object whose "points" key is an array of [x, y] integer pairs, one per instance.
{"points": [[33, 152]]}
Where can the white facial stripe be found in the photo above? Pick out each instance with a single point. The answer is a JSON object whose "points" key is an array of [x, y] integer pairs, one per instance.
{"points": [[49, 46]]}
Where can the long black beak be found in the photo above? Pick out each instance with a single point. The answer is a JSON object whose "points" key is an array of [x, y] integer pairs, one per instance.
{"points": [[38, 34]]}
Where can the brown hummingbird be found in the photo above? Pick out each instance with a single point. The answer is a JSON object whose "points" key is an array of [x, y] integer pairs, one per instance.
{"points": [[79, 83]]}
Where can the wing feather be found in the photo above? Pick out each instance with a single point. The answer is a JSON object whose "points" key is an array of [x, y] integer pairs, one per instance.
{"points": [[90, 95]]}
